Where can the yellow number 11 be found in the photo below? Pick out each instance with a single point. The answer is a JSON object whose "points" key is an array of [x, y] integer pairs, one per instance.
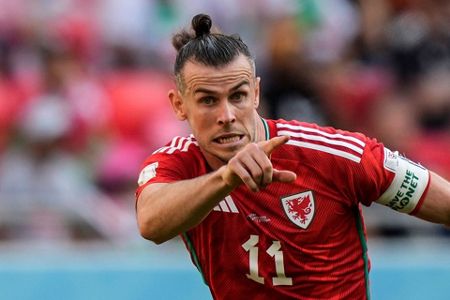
{"points": [[273, 251]]}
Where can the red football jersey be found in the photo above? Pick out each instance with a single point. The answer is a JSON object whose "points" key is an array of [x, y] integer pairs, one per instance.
{"points": [[302, 240]]}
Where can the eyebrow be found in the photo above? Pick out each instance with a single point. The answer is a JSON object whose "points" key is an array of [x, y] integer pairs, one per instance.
{"points": [[236, 87]]}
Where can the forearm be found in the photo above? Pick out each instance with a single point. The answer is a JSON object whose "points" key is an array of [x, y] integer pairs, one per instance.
{"points": [[166, 210], [436, 206]]}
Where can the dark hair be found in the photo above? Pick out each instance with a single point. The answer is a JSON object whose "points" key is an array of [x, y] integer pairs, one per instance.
{"points": [[206, 47]]}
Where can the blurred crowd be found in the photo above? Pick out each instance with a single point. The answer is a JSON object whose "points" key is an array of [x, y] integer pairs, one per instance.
{"points": [[83, 93]]}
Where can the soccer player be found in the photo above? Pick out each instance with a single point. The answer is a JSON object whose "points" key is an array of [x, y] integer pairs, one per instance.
{"points": [[269, 209]]}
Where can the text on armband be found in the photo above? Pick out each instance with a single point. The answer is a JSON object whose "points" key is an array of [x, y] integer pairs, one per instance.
{"points": [[405, 192]]}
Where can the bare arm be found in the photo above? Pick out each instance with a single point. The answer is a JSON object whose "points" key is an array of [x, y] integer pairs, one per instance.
{"points": [[165, 210], [436, 205]]}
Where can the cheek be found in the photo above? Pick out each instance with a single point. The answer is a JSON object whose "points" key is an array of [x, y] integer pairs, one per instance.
{"points": [[245, 113], [200, 121]]}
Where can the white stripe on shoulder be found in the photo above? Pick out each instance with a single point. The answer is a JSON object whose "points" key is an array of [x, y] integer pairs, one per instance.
{"points": [[178, 143], [325, 149], [174, 141], [186, 146], [330, 135], [160, 150], [172, 144], [321, 139]]}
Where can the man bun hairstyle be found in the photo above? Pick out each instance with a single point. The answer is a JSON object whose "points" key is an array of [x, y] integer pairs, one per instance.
{"points": [[211, 48], [201, 24]]}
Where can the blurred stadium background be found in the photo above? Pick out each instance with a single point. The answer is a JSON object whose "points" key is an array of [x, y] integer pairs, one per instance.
{"points": [[83, 101]]}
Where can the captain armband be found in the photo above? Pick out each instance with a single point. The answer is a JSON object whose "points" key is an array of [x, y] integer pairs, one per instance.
{"points": [[409, 184]]}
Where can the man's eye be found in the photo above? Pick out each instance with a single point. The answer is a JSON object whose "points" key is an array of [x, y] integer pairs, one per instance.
{"points": [[207, 100], [238, 96]]}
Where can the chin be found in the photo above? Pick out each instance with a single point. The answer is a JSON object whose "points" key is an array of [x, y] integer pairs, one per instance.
{"points": [[222, 153], [225, 156]]}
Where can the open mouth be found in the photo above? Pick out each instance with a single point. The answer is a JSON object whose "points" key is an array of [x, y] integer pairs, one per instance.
{"points": [[229, 139]]}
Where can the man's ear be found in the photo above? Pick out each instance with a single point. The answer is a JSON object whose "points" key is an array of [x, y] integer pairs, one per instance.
{"points": [[257, 92], [177, 104]]}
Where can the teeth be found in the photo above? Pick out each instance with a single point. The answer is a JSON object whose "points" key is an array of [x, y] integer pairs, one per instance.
{"points": [[230, 139]]}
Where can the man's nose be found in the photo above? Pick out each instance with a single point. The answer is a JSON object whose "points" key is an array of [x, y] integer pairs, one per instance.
{"points": [[226, 114]]}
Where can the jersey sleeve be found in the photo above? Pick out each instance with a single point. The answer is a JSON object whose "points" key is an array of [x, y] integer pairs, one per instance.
{"points": [[166, 167], [389, 179]]}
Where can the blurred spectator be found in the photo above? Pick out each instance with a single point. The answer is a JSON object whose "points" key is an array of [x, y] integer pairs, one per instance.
{"points": [[418, 38], [432, 98], [288, 86], [39, 181], [46, 191], [393, 121], [10, 96], [350, 90], [140, 120], [397, 123], [65, 80]]}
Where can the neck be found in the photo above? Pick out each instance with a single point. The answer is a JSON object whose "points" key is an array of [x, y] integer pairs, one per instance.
{"points": [[260, 130]]}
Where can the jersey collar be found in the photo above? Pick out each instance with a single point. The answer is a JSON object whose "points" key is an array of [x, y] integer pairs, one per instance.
{"points": [[266, 129]]}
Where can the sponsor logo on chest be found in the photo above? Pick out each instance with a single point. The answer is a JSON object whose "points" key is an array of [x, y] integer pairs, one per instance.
{"points": [[299, 208]]}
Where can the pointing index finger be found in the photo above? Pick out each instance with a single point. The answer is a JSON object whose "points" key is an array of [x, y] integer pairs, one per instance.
{"points": [[273, 143]]}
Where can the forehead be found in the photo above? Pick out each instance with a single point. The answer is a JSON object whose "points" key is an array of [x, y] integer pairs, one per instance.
{"points": [[197, 75]]}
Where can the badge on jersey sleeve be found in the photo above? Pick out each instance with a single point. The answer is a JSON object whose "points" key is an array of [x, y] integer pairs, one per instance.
{"points": [[147, 173], [299, 208]]}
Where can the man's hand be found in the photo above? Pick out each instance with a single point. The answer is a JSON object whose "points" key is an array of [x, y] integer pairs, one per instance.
{"points": [[253, 167]]}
